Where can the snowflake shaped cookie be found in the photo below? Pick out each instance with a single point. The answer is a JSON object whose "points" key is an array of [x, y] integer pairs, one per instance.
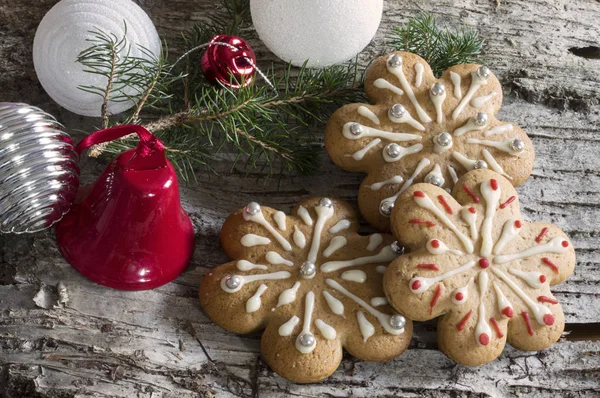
{"points": [[475, 263], [312, 282], [423, 129]]}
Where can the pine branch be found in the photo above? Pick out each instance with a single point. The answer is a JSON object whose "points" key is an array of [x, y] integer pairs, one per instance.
{"points": [[441, 48], [201, 123], [111, 76], [252, 127]]}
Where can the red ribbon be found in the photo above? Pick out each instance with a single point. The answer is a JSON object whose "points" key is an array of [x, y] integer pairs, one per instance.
{"points": [[147, 146]]}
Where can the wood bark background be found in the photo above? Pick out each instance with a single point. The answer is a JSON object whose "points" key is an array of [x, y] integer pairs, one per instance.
{"points": [[158, 344]]}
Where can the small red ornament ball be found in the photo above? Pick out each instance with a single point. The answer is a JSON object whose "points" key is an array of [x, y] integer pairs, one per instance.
{"points": [[226, 65]]}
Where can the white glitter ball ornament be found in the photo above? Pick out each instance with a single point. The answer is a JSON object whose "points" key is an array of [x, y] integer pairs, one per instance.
{"points": [[62, 35], [324, 32]]}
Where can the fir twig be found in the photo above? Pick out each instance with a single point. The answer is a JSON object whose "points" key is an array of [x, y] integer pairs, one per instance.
{"points": [[155, 76], [441, 48], [199, 122], [103, 59], [111, 76], [261, 128]]}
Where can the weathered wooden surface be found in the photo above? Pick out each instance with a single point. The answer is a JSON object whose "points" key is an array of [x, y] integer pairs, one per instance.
{"points": [[159, 344]]}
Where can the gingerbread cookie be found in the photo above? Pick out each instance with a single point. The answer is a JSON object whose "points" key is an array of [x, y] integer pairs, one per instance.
{"points": [[312, 282], [424, 129], [478, 266]]}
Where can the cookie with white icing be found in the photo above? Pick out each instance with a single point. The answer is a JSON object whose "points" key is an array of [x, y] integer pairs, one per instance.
{"points": [[312, 282], [423, 129], [479, 267]]}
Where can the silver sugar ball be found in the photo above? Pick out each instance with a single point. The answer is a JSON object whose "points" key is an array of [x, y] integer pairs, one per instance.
{"points": [[438, 89], [307, 340], [386, 207], [397, 248], [393, 150], [252, 208], [397, 111], [308, 268], [233, 281], [325, 202], [355, 129], [480, 164], [483, 72], [517, 145], [395, 61], [481, 119], [433, 180], [443, 139], [397, 321]]}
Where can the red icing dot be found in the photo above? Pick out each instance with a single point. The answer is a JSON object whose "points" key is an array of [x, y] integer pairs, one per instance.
{"points": [[472, 210], [416, 285], [459, 296], [484, 339], [508, 312], [494, 184], [435, 243], [542, 278], [419, 194], [484, 263], [565, 243], [517, 224], [549, 319]]}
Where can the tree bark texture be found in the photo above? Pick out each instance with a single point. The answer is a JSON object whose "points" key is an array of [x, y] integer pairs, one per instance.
{"points": [[159, 344]]}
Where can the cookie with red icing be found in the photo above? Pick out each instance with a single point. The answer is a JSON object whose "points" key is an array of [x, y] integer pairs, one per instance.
{"points": [[422, 129], [311, 282], [475, 264]]}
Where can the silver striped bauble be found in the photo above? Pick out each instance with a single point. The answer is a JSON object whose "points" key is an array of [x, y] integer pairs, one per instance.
{"points": [[39, 175]]}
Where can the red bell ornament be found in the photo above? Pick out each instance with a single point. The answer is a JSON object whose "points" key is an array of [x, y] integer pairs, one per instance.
{"points": [[129, 232], [230, 61]]}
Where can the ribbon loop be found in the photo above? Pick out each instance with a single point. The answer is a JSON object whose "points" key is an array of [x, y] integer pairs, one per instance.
{"points": [[150, 150]]}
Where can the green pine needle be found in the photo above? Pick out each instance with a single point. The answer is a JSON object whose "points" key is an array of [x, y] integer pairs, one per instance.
{"points": [[441, 48]]}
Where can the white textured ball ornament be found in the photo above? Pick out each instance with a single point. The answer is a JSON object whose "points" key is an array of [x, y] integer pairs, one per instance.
{"points": [[62, 35], [324, 32]]}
